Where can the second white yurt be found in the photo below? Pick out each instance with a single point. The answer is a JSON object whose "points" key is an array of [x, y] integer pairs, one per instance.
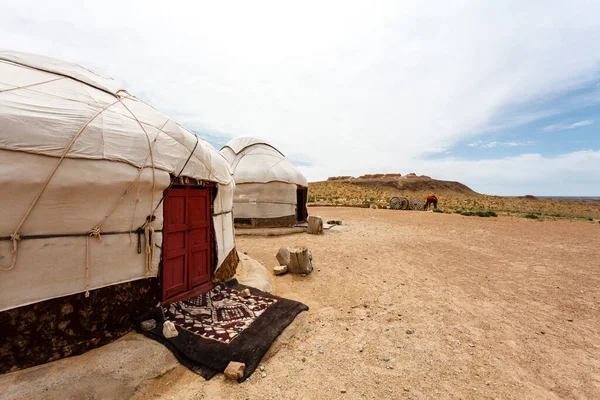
{"points": [[270, 191]]}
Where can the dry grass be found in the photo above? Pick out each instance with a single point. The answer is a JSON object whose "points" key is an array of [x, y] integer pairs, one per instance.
{"points": [[347, 194]]}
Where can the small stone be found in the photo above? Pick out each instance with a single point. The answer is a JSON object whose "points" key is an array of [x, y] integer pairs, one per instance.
{"points": [[262, 367], [148, 325], [406, 389], [263, 375], [335, 222], [307, 329], [386, 359], [410, 331], [343, 391], [234, 370], [361, 349], [169, 330], [164, 371], [303, 275], [570, 320], [245, 293], [543, 332], [280, 269], [470, 344], [303, 359]]}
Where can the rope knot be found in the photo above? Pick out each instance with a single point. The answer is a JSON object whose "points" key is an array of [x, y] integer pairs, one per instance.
{"points": [[16, 238], [96, 233]]}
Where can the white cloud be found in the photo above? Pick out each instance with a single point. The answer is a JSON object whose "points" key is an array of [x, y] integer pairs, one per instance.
{"points": [[572, 174], [490, 145], [355, 87], [564, 127]]}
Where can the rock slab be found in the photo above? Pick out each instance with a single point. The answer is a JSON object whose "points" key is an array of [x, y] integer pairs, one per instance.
{"points": [[300, 261], [280, 269], [234, 370]]}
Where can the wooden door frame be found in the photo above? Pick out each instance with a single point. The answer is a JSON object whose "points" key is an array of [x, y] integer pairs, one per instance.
{"points": [[182, 183]]}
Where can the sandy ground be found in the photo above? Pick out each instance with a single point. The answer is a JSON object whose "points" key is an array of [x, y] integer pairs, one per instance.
{"points": [[415, 305]]}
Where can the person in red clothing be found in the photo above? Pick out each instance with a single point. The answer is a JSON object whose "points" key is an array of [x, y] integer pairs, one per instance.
{"points": [[431, 199]]}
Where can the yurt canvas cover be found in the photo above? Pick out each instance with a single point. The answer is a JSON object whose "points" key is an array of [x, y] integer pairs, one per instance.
{"points": [[84, 166], [268, 186]]}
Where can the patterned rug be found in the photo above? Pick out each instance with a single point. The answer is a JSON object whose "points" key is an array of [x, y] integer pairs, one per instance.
{"points": [[221, 314], [222, 326]]}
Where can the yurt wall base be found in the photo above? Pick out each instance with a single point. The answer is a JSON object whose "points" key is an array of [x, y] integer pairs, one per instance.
{"points": [[275, 222], [71, 325]]}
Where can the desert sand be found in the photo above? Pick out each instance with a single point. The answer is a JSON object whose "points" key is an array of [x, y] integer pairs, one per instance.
{"points": [[403, 305], [498, 308]]}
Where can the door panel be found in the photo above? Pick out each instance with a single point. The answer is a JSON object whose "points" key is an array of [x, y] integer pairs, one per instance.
{"points": [[175, 252], [199, 238]]}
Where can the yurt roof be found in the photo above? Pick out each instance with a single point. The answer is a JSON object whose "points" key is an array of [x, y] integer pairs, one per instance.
{"points": [[47, 105], [240, 143], [257, 161]]}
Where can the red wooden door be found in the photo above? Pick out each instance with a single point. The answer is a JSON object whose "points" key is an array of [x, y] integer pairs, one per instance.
{"points": [[186, 244]]}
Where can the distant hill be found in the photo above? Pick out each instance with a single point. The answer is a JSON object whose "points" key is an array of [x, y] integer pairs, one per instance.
{"points": [[409, 183]]}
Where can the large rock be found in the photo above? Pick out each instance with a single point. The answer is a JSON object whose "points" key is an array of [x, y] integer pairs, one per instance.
{"points": [[297, 260], [234, 370], [315, 225], [300, 261], [252, 273]]}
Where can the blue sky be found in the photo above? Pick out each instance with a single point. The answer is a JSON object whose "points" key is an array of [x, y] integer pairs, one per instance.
{"points": [[502, 96], [568, 131]]}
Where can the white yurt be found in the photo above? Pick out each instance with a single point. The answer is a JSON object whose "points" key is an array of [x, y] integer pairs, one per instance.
{"points": [[269, 190], [107, 207]]}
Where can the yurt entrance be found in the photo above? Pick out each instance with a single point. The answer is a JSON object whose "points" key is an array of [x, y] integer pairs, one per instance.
{"points": [[186, 264], [301, 199]]}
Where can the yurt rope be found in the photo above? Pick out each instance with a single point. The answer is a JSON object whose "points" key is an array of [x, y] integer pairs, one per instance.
{"points": [[15, 237], [30, 86], [148, 229], [137, 194], [177, 177]]}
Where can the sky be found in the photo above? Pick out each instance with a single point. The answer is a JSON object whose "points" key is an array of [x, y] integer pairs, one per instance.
{"points": [[502, 96]]}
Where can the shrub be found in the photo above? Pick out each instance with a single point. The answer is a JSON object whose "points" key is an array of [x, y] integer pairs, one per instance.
{"points": [[437, 210], [532, 216], [485, 214]]}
